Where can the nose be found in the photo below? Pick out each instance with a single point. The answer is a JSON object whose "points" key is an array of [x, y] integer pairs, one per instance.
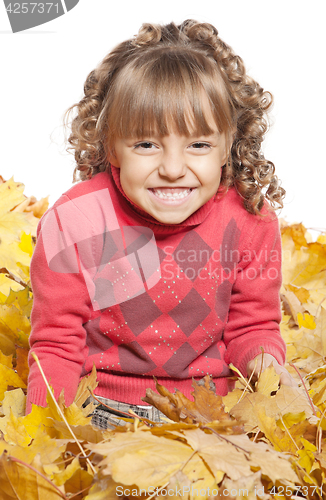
{"points": [[172, 166]]}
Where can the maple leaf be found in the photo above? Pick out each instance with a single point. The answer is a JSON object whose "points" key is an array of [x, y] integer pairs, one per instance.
{"points": [[206, 407], [9, 377], [14, 400], [281, 440], [268, 381], [15, 321], [306, 320], [19, 482], [287, 400], [19, 217], [86, 383], [81, 480], [141, 458], [32, 205], [22, 367], [236, 455], [84, 432], [12, 225], [7, 284]]}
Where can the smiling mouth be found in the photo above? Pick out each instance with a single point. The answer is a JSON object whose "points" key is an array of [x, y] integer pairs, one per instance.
{"points": [[171, 194]]}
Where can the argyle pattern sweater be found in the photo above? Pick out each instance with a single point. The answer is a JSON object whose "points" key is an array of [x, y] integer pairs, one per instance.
{"points": [[115, 288]]}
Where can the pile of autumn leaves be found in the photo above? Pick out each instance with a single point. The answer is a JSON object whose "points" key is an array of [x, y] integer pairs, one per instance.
{"points": [[258, 441]]}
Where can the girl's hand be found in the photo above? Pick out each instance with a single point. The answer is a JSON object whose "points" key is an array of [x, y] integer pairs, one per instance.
{"points": [[263, 362]]}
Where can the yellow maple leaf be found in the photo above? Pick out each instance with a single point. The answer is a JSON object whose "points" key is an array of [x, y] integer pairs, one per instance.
{"points": [[85, 432], [30, 485], [290, 419], [268, 381], [306, 455], [26, 243], [310, 345], [7, 284], [9, 377], [232, 398], [15, 321], [18, 222], [142, 458], [81, 480], [39, 418], [16, 432], [105, 489], [31, 204], [61, 477], [287, 400], [75, 415], [14, 329], [15, 401], [281, 440], [302, 261], [6, 360], [307, 321], [302, 294], [238, 456]]}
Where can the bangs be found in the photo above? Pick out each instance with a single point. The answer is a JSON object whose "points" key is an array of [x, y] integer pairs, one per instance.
{"points": [[161, 93]]}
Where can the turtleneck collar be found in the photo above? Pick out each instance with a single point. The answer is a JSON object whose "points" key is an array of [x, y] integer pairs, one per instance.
{"points": [[194, 219]]}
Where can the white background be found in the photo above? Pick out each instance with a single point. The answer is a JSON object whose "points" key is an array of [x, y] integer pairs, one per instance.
{"points": [[282, 44]]}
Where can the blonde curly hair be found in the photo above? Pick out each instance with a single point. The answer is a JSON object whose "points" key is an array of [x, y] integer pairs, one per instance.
{"points": [[155, 80]]}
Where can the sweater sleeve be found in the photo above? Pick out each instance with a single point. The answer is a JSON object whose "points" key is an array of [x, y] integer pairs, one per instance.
{"points": [[255, 311], [61, 306]]}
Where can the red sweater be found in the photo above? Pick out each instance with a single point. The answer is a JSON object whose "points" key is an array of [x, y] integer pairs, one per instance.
{"points": [[114, 287]]}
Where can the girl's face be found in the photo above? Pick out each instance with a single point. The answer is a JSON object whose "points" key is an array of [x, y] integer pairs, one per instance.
{"points": [[171, 177]]}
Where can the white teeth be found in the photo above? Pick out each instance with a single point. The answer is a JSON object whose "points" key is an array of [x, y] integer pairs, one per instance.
{"points": [[170, 196]]}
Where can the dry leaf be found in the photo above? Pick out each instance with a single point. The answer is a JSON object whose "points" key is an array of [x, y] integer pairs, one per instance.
{"points": [[268, 381], [206, 407]]}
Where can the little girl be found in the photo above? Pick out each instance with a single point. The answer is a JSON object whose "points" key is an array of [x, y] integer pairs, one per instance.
{"points": [[165, 260]]}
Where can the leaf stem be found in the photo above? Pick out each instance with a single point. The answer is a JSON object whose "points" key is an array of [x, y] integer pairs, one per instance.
{"points": [[233, 368], [223, 438], [158, 491], [319, 432], [288, 432], [60, 412], [261, 364], [14, 459], [107, 406], [248, 383], [129, 415], [305, 388], [164, 485], [79, 492]]}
